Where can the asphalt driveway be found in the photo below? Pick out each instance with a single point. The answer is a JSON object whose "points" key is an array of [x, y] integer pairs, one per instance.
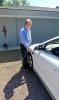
{"points": [[17, 84]]}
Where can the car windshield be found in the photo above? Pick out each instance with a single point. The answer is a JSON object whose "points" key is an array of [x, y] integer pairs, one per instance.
{"points": [[55, 41], [52, 41]]}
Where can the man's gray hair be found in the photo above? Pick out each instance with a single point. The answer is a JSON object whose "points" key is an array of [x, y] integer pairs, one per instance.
{"points": [[28, 20]]}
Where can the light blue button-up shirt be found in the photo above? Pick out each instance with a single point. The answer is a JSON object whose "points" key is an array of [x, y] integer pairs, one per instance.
{"points": [[25, 37]]}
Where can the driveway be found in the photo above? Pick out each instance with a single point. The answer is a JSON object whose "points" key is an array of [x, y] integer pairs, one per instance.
{"points": [[17, 84]]}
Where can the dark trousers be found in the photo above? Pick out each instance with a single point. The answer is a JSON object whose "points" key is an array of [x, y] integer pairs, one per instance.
{"points": [[23, 51]]}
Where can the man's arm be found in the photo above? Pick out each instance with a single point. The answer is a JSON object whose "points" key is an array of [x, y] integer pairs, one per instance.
{"points": [[23, 39]]}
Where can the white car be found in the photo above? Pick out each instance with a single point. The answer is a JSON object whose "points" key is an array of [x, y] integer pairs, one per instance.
{"points": [[46, 64]]}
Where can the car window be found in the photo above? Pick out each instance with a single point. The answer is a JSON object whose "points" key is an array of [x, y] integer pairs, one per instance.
{"points": [[53, 48]]}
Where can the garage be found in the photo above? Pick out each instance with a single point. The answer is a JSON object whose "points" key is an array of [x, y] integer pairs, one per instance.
{"points": [[45, 24]]}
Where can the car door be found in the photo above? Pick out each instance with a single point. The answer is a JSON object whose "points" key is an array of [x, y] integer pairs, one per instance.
{"points": [[35, 60], [46, 69]]}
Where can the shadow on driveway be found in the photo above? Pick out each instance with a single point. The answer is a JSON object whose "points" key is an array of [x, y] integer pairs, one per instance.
{"points": [[36, 89]]}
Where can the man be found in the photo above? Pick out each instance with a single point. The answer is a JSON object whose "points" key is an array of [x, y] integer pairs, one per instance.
{"points": [[25, 40]]}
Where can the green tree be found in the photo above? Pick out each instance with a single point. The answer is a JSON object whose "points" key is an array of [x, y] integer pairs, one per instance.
{"points": [[1, 2], [20, 2], [7, 3], [23, 2], [16, 2], [28, 3]]}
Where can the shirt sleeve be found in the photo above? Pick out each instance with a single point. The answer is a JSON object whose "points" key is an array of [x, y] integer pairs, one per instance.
{"points": [[23, 39], [30, 38]]}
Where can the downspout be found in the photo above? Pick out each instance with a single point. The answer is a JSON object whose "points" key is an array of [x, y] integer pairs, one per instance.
{"points": [[16, 31]]}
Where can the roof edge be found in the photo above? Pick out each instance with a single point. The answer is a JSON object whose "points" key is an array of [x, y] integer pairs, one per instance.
{"points": [[33, 8]]}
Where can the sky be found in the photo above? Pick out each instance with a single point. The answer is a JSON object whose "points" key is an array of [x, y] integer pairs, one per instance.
{"points": [[44, 3]]}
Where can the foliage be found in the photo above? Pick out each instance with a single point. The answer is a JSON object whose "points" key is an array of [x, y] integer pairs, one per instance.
{"points": [[16, 3], [1, 2], [7, 3]]}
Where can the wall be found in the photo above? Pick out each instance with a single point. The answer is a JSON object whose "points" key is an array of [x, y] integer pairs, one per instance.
{"points": [[42, 29], [11, 32]]}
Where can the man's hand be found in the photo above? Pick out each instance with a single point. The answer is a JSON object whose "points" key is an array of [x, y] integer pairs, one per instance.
{"points": [[29, 50]]}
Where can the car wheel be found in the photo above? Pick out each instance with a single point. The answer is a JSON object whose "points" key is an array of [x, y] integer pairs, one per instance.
{"points": [[30, 60]]}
